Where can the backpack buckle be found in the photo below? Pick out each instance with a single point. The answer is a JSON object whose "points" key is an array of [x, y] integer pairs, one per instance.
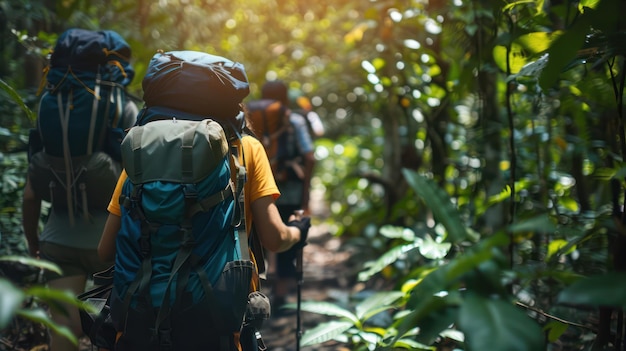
{"points": [[144, 245], [165, 339], [190, 191]]}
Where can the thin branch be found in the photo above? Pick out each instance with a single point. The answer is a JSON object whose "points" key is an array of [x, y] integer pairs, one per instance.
{"points": [[549, 316]]}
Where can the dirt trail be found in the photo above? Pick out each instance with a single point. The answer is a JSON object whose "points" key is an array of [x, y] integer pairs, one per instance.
{"points": [[326, 278]]}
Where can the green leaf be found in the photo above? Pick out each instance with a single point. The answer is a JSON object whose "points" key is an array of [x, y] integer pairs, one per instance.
{"points": [[388, 258], [601, 290], [434, 250], [17, 98], [436, 322], [504, 195], [491, 324], [412, 345], [516, 58], [531, 71], [33, 262], [561, 52], [445, 276], [433, 315], [556, 245], [569, 203], [536, 42], [329, 309], [395, 232], [564, 277], [11, 299], [54, 296], [555, 330], [377, 303], [324, 332], [564, 48], [541, 223], [439, 202], [39, 315]]}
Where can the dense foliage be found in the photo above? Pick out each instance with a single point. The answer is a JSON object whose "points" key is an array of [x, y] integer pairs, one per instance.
{"points": [[473, 155]]}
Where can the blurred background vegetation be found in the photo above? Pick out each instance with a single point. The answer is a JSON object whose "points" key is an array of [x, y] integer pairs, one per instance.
{"points": [[473, 156]]}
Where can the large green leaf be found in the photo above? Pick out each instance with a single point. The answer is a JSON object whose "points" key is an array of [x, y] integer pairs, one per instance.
{"points": [[39, 315], [324, 332], [555, 329], [376, 303], [388, 258], [395, 232], [434, 323], [434, 250], [541, 223], [429, 313], [536, 42], [565, 48], [424, 298], [491, 324], [17, 98], [33, 262], [512, 58], [444, 277], [11, 299], [601, 290], [439, 203], [329, 309], [561, 52], [409, 344], [54, 296]]}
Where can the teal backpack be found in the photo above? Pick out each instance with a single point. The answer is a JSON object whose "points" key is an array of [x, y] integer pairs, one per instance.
{"points": [[183, 270], [74, 151]]}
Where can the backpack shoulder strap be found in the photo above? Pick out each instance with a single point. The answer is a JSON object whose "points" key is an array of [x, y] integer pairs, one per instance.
{"points": [[239, 220]]}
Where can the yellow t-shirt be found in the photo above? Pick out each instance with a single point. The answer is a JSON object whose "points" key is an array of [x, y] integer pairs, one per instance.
{"points": [[260, 181]]}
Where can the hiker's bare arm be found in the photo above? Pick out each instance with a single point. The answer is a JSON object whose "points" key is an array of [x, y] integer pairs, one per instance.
{"points": [[31, 210], [275, 235], [106, 247]]}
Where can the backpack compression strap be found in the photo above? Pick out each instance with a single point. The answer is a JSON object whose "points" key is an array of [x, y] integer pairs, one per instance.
{"points": [[239, 220], [64, 117]]}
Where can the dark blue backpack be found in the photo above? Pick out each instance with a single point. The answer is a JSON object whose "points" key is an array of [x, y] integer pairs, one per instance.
{"points": [[74, 161], [85, 92], [182, 269]]}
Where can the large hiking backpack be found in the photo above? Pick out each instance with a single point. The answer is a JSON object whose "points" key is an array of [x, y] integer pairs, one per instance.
{"points": [[269, 120], [182, 270], [75, 147]]}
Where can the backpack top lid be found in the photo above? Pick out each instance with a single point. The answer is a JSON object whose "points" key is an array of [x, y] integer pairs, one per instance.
{"points": [[275, 90], [86, 50], [196, 83]]}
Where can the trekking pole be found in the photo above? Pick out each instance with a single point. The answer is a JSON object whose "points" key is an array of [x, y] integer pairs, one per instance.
{"points": [[300, 277]]}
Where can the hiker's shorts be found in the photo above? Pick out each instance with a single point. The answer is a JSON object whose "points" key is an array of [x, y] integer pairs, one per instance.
{"points": [[71, 260]]}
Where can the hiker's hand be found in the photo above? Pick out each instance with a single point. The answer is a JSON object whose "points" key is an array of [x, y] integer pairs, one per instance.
{"points": [[303, 224]]}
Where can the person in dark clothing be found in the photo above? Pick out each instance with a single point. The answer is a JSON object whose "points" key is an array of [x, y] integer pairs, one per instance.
{"points": [[294, 188]]}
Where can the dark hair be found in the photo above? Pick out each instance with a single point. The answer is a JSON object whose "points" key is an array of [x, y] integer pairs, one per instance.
{"points": [[275, 90]]}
